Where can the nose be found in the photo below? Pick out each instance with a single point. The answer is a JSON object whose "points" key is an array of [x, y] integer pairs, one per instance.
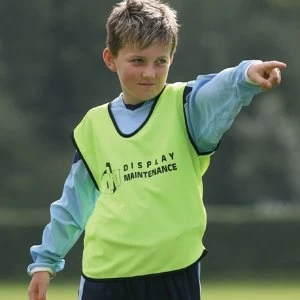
{"points": [[148, 72]]}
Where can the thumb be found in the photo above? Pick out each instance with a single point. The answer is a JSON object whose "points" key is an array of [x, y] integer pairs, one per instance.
{"points": [[42, 292]]}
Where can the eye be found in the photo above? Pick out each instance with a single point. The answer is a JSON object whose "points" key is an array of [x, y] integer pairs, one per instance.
{"points": [[137, 61], [161, 61]]}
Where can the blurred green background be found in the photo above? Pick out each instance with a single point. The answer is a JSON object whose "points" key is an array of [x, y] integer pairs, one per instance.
{"points": [[51, 73]]}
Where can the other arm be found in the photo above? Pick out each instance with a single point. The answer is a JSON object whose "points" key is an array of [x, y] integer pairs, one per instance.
{"points": [[69, 216]]}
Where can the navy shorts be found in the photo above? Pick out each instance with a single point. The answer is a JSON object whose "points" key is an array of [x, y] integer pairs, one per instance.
{"points": [[178, 285]]}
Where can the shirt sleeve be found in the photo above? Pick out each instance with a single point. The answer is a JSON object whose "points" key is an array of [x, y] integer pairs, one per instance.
{"points": [[214, 102], [69, 216]]}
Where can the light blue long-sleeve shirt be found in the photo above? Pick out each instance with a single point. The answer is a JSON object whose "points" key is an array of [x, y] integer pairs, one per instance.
{"points": [[211, 106]]}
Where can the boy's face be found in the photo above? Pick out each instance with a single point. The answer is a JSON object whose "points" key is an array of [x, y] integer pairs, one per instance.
{"points": [[142, 73]]}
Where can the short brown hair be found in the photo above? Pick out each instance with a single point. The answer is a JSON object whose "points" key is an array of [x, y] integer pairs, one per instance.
{"points": [[141, 23]]}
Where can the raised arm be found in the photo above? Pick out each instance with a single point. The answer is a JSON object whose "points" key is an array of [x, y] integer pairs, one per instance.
{"points": [[216, 99]]}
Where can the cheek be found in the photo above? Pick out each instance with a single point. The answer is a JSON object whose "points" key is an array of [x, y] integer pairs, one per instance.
{"points": [[128, 75], [163, 73]]}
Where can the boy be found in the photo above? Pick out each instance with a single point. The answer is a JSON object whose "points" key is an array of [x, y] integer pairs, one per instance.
{"points": [[135, 185]]}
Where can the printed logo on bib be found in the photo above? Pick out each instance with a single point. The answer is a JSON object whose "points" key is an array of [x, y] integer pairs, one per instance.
{"points": [[112, 178]]}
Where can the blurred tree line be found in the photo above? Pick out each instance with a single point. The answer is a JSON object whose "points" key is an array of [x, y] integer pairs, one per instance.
{"points": [[51, 73]]}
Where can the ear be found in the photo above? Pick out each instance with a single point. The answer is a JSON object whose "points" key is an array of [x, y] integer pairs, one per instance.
{"points": [[109, 59]]}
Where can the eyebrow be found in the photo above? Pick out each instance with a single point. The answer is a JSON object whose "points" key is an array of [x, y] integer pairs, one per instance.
{"points": [[142, 56]]}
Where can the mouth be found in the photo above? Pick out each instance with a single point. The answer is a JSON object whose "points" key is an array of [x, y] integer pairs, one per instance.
{"points": [[146, 84]]}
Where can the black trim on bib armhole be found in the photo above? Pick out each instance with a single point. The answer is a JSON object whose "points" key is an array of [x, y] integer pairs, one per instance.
{"points": [[141, 126], [84, 161], [186, 91]]}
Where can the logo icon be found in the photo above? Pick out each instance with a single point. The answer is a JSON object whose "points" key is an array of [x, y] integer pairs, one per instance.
{"points": [[110, 180]]}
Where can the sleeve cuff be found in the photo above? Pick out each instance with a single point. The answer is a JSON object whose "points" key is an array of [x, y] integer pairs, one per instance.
{"points": [[34, 269]]}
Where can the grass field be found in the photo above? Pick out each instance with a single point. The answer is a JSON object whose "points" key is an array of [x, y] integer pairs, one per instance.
{"points": [[225, 290]]}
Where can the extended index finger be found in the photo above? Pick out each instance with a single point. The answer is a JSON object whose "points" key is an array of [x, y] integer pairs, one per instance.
{"points": [[270, 65]]}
